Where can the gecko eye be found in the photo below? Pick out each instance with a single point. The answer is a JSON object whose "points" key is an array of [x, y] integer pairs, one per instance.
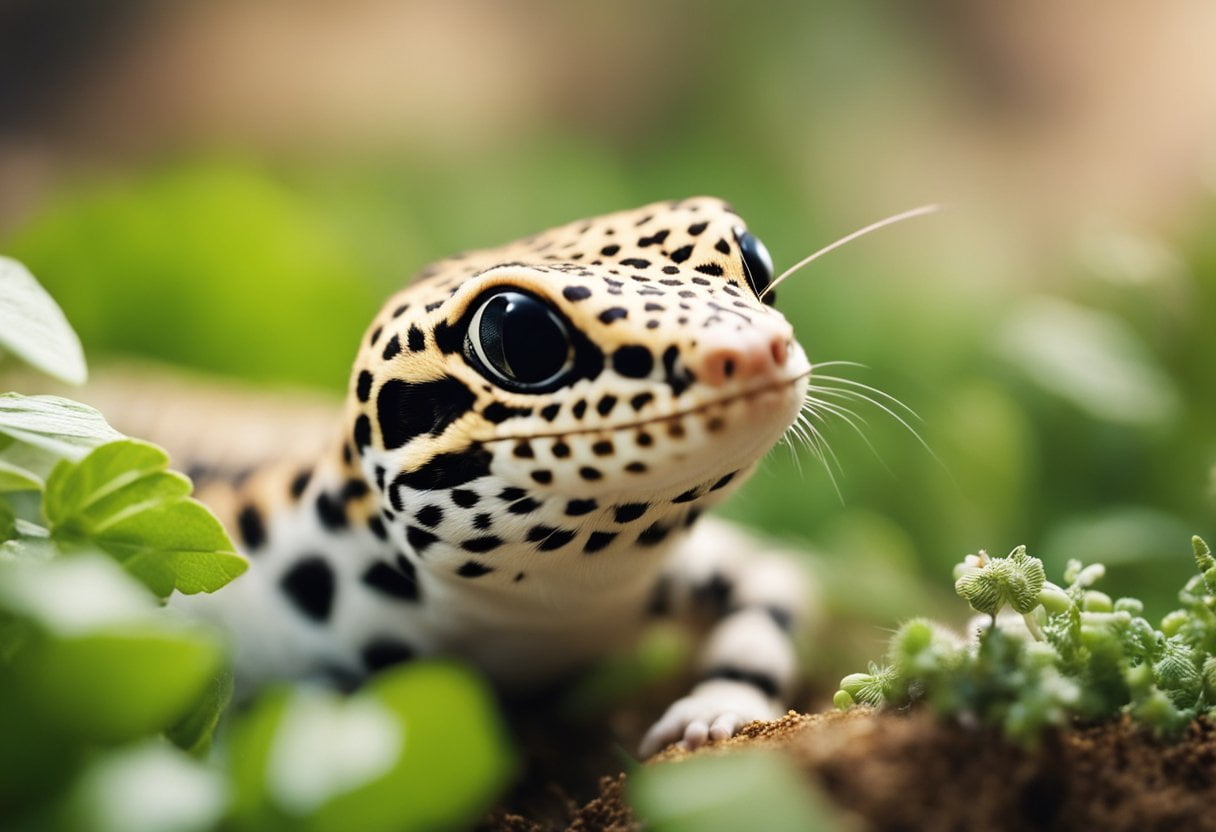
{"points": [[757, 262], [519, 342]]}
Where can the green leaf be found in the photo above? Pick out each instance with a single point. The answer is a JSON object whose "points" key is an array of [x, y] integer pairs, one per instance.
{"points": [[148, 788], [120, 499], [749, 790], [60, 426], [15, 478], [33, 327], [116, 683], [103, 662], [193, 733], [419, 748]]}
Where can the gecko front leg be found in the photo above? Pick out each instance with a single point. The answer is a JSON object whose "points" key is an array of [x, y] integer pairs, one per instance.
{"points": [[755, 599]]}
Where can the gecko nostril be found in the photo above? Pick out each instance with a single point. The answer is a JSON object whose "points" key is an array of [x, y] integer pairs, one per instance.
{"points": [[779, 350], [728, 367]]}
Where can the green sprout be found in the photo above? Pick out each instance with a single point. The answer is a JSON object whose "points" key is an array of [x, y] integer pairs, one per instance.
{"points": [[1074, 654]]}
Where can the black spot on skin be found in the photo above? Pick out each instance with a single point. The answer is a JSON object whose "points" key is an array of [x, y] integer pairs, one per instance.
{"points": [[580, 407], [542, 476], [660, 597], [654, 239], [652, 534], [604, 405], [549, 412], [609, 251], [714, 425], [415, 339], [353, 489], [252, 528], [525, 506], [519, 576], [645, 440], [406, 409], [636, 263], [597, 541], [633, 361], [654, 307], [300, 482], [431, 307], [331, 511], [473, 569], [376, 526], [677, 379], [613, 313], [714, 595], [692, 517], [394, 497], [556, 540], [561, 450], [419, 539], [577, 508], [379, 472], [763, 682], [497, 412], [700, 281], [447, 338], [362, 433], [712, 269], [448, 470], [636, 467], [375, 336], [483, 521], [363, 388], [511, 493], [643, 220], [384, 652], [630, 511], [429, 515], [672, 269], [722, 246], [309, 585], [675, 430], [487, 543], [590, 474], [523, 450], [400, 310], [464, 497], [781, 617], [680, 255], [696, 228], [392, 582], [392, 348], [603, 448], [641, 400], [687, 497], [722, 483]]}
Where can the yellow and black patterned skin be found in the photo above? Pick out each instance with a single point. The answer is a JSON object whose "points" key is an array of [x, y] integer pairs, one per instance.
{"points": [[530, 434]]}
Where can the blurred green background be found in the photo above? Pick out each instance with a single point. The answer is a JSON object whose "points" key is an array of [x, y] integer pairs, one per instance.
{"points": [[235, 187]]}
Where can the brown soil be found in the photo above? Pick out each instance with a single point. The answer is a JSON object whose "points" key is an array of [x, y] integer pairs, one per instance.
{"points": [[892, 771]]}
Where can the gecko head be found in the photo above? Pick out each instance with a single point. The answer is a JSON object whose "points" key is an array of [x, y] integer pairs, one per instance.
{"points": [[626, 357]]}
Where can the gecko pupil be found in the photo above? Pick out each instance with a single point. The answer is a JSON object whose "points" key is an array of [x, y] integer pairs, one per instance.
{"points": [[757, 262], [520, 341]]}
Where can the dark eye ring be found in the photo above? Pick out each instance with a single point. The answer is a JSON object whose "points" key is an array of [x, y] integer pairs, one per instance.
{"points": [[519, 342], [757, 262]]}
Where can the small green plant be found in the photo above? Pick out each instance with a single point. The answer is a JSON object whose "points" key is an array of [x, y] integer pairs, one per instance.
{"points": [[1073, 653], [110, 704]]}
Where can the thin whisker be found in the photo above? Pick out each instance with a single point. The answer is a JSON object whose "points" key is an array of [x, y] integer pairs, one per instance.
{"points": [[873, 390], [874, 226]]}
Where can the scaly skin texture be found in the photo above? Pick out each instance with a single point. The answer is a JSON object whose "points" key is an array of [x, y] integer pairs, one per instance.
{"points": [[530, 531]]}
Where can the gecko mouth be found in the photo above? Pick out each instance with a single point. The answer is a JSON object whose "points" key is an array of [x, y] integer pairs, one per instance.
{"points": [[724, 401]]}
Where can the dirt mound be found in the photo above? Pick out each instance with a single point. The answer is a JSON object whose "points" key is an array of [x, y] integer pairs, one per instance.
{"points": [[911, 771]]}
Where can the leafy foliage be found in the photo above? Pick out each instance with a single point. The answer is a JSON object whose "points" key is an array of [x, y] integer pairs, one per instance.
{"points": [[110, 703], [35, 329], [1073, 654]]}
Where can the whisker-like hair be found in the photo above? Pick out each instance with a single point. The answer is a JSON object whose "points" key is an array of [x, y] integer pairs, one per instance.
{"points": [[874, 226], [851, 418], [869, 388]]}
